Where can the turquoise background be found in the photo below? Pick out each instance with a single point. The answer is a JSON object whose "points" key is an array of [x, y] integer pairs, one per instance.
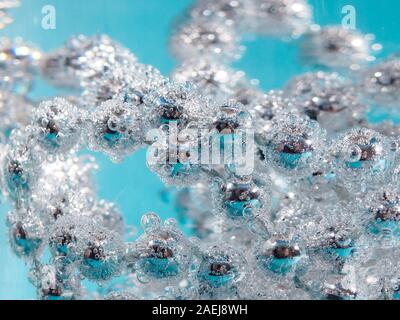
{"points": [[144, 27]]}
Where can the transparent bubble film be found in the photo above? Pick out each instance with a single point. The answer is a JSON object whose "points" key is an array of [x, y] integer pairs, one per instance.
{"points": [[290, 193]]}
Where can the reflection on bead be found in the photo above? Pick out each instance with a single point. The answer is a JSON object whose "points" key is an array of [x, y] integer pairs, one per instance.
{"points": [[102, 255], [278, 256], [328, 98], [162, 252], [116, 129], [265, 109], [4, 7], [15, 112], [58, 125], [242, 199], [280, 18], [297, 145], [177, 103], [220, 268], [213, 79], [209, 39], [18, 65], [383, 209], [363, 156], [26, 233]]}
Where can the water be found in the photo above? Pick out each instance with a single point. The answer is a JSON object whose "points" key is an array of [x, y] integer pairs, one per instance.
{"points": [[144, 27]]}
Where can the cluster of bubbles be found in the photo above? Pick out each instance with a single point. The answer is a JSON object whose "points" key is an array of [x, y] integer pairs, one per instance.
{"points": [[18, 65], [6, 5], [317, 218]]}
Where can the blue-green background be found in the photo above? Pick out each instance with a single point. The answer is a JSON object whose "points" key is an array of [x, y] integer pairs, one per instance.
{"points": [[144, 27]]}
